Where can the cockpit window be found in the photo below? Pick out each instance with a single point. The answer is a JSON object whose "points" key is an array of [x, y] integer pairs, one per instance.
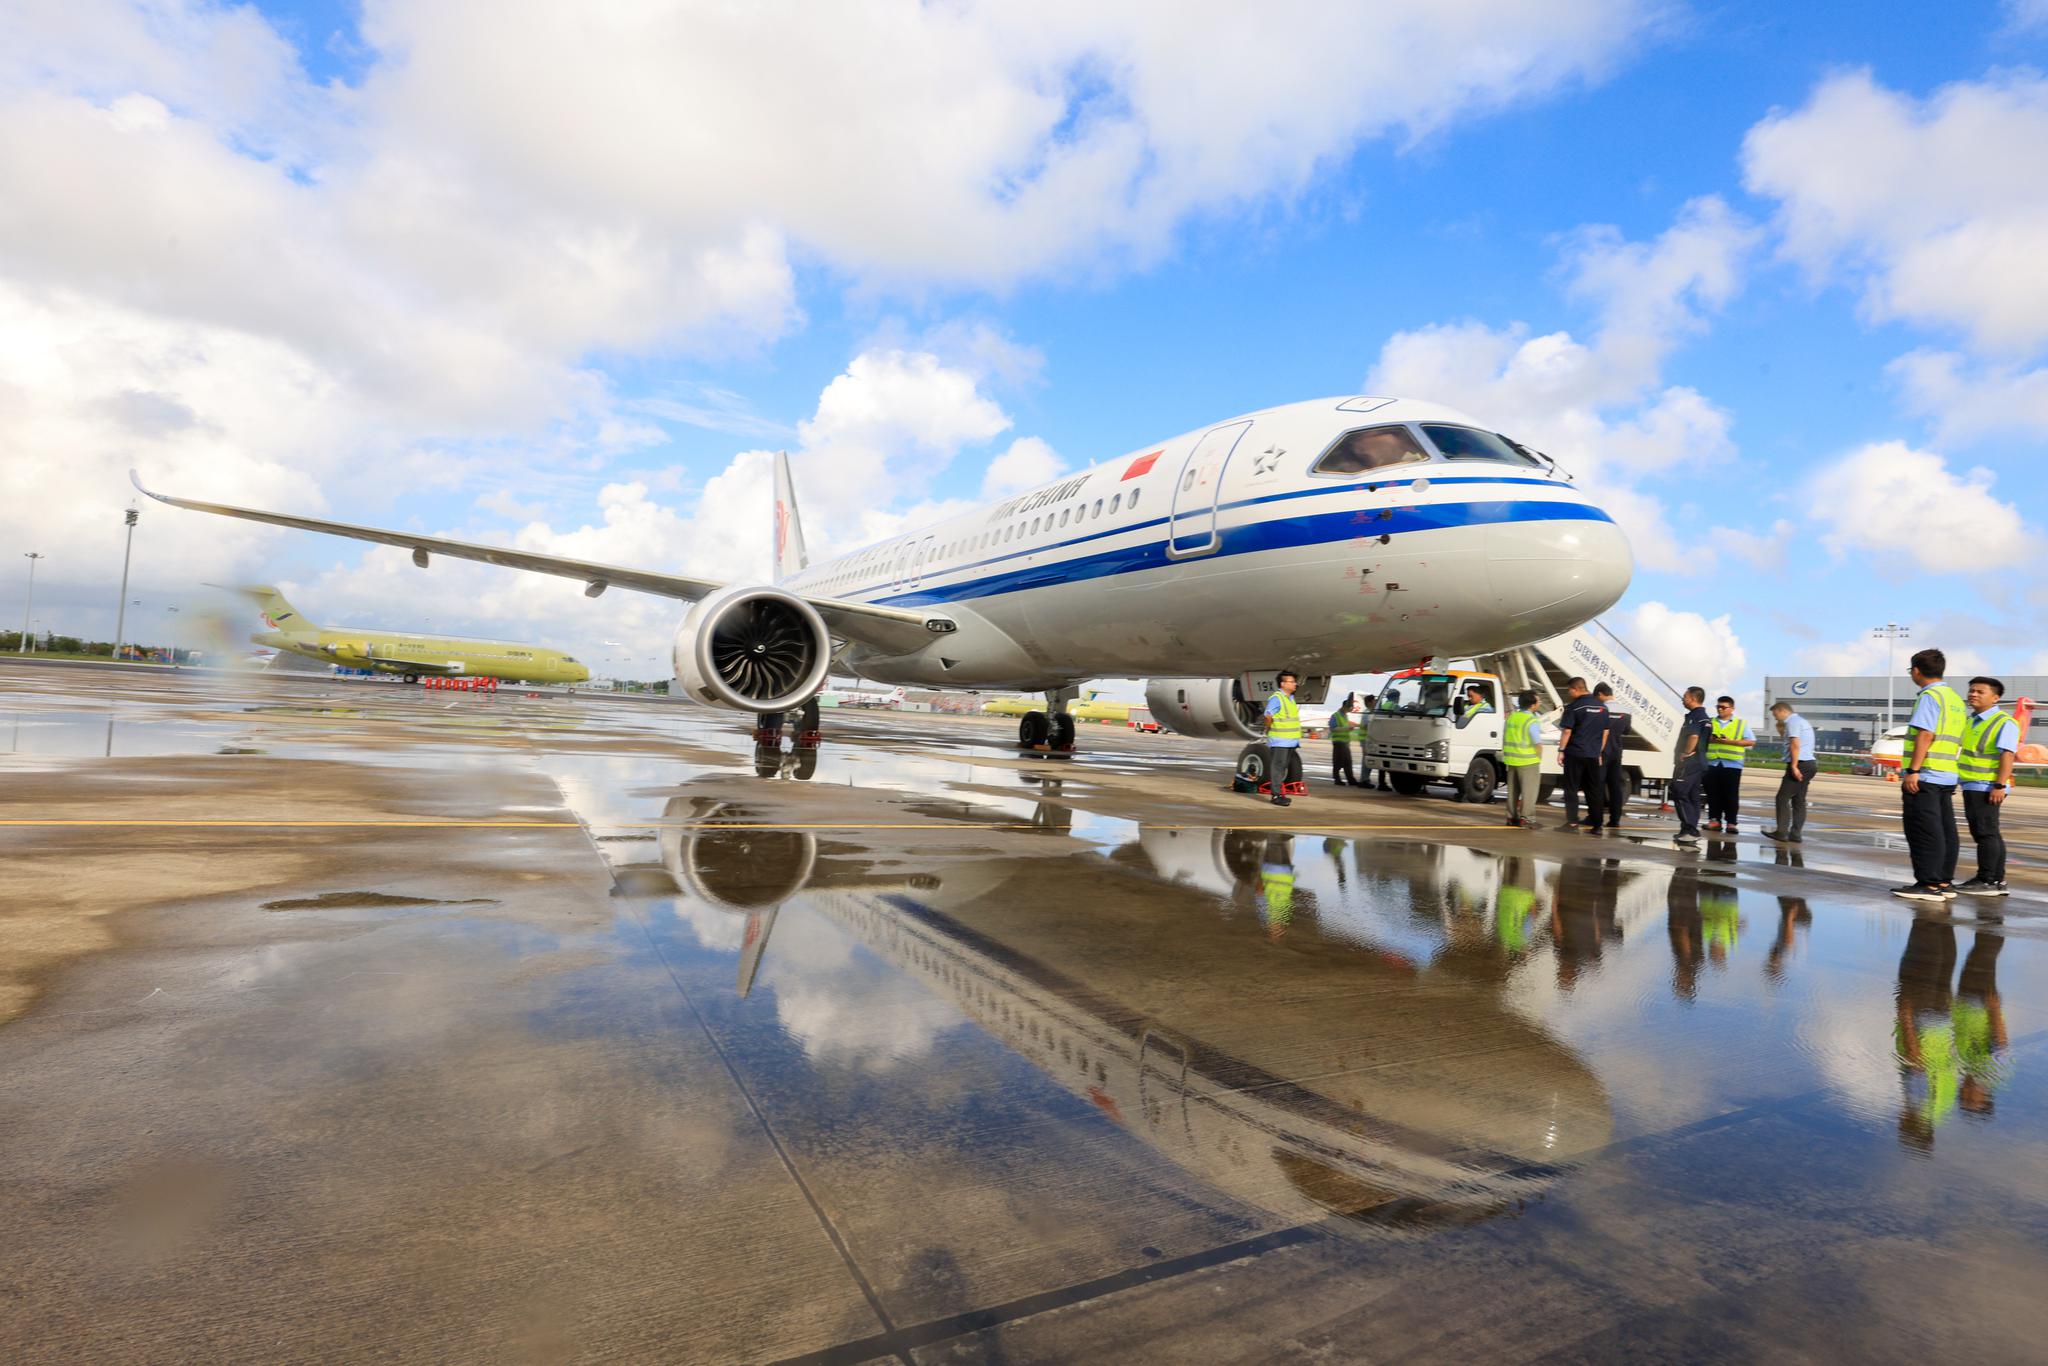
{"points": [[1370, 449], [1470, 443]]}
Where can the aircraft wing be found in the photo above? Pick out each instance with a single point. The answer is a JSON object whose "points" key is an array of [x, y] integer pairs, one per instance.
{"points": [[891, 629]]}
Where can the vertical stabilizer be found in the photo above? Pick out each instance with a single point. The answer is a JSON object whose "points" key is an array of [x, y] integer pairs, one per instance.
{"points": [[789, 528], [278, 614]]}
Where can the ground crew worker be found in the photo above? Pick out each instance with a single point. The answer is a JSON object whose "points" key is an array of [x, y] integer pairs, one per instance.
{"points": [[1475, 705], [1283, 737], [1800, 768], [1689, 765], [1928, 778], [1985, 768], [1582, 734], [1521, 749], [1727, 738], [1343, 730], [1613, 773], [1516, 905], [1276, 885]]}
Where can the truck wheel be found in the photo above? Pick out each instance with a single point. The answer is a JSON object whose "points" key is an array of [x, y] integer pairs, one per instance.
{"points": [[1479, 781], [1546, 788], [1034, 729], [1407, 784]]}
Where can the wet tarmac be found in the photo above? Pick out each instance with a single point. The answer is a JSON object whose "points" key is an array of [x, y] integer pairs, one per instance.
{"points": [[340, 1019]]}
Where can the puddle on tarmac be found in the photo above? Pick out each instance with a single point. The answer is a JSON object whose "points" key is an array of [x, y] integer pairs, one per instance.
{"points": [[1399, 1034]]}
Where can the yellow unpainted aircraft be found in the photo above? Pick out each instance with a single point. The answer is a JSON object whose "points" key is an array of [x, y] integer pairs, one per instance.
{"points": [[1091, 705], [406, 652]]}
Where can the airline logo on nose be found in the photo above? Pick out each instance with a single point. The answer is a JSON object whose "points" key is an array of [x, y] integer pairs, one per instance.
{"points": [[1142, 465]]}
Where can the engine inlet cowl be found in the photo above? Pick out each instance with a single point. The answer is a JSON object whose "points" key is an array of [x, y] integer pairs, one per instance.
{"points": [[756, 649]]}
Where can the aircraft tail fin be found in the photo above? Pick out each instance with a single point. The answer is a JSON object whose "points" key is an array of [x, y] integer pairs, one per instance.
{"points": [[789, 528], [278, 614]]}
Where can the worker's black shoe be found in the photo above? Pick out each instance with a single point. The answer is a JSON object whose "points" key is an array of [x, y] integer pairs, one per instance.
{"points": [[1983, 886], [1283, 801], [1947, 890], [1918, 891]]}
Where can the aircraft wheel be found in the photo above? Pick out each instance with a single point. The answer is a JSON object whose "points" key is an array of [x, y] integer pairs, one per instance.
{"points": [[1479, 781], [1251, 764], [412, 678], [1407, 784], [1062, 730], [1034, 729]]}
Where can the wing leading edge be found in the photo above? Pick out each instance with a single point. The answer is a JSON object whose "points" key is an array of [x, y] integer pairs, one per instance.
{"points": [[891, 629]]}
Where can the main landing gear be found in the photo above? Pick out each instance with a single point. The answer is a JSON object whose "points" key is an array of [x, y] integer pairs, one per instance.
{"points": [[1052, 730], [768, 741]]}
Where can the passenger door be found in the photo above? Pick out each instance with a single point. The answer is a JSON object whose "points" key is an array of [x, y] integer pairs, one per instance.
{"points": [[1191, 530]]}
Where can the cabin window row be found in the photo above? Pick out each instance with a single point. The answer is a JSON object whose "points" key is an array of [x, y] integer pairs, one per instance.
{"points": [[878, 560]]}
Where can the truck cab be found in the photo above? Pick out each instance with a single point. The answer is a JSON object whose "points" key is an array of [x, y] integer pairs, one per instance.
{"points": [[1423, 729]]}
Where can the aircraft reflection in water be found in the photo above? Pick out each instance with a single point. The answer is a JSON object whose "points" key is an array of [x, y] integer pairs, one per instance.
{"points": [[1305, 1077], [1952, 1046]]}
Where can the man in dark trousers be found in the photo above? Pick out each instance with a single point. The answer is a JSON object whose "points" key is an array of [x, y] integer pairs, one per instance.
{"points": [[1582, 735], [1927, 779], [1990, 746], [1689, 765], [1613, 776]]}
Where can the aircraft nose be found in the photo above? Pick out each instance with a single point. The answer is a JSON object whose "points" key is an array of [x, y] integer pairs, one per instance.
{"points": [[1550, 576]]}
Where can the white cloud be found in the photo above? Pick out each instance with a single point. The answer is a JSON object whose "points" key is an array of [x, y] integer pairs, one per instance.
{"points": [[2027, 13], [1028, 463], [1598, 406], [258, 285], [1684, 647], [1762, 551], [1967, 400], [1908, 509], [1936, 208]]}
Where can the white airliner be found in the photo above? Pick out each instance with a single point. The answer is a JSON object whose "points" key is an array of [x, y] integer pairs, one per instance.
{"points": [[1341, 535]]}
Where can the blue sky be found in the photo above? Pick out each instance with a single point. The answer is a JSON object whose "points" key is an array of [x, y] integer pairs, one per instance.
{"points": [[473, 269]]}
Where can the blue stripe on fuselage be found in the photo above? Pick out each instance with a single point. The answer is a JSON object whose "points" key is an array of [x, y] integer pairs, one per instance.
{"points": [[1319, 490], [1278, 533]]}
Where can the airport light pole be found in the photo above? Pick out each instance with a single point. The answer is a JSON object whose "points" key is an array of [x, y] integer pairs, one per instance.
{"points": [[31, 556], [121, 606], [1891, 633], [174, 635]]}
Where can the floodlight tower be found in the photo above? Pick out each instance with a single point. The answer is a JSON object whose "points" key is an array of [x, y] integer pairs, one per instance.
{"points": [[28, 610], [121, 608], [1891, 633]]}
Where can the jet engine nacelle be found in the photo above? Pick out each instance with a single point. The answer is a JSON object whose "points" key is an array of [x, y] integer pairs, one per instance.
{"points": [[1207, 708], [754, 649]]}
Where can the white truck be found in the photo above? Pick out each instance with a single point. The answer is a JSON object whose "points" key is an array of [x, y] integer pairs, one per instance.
{"points": [[1419, 733]]}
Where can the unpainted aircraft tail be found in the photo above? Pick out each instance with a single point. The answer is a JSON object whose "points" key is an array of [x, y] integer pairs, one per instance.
{"points": [[789, 528], [278, 614]]}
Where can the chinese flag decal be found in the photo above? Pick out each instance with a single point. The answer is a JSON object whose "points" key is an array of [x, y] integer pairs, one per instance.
{"points": [[1142, 465]]}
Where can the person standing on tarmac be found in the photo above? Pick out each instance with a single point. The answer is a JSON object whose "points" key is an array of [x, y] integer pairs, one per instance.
{"points": [[1582, 735], [1343, 729], [1613, 775], [1985, 767], [1928, 778], [1521, 749], [1689, 765], [1727, 738], [1283, 737], [1800, 768]]}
